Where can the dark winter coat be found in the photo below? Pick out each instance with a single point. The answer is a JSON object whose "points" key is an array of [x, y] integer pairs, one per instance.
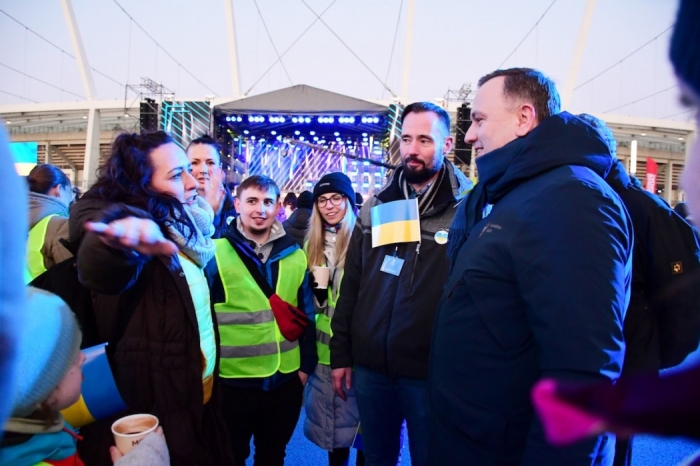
{"points": [[157, 363], [662, 324], [298, 224], [382, 321], [539, 289]]}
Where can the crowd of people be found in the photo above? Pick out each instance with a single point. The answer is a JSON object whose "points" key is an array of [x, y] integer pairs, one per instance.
{"points": [[510, 333]]}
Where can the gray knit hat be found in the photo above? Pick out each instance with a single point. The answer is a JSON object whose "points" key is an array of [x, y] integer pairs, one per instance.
{"points": [[685, 53], [48, 346]]}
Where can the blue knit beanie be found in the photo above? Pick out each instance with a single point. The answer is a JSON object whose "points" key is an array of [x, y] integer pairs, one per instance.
{"points": [[48, 346], [685, 43]]}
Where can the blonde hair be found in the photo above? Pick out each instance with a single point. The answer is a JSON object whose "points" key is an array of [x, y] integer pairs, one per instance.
{"points": [[314, 242]]}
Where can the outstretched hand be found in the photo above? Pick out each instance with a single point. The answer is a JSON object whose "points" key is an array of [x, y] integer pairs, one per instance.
{"points": [[134, 234]]}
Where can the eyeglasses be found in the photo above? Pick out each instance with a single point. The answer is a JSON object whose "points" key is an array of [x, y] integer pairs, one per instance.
{"points": [[335, 200]]}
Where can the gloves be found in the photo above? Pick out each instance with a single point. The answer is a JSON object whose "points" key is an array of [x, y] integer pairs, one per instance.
{"points": [[320, 293]]}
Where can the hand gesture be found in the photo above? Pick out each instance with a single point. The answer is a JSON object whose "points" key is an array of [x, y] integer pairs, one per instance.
{"points": [[134, 234], [340, 375], [212, 189]]}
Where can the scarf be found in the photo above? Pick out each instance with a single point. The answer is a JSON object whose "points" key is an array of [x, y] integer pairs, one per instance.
{"points": [[200, 247], [469, 213], [427, 195]]}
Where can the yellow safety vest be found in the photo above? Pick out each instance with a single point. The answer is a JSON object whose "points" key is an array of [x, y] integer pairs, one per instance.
{"points": [[251, 342], [323, 326], [34, 263]]}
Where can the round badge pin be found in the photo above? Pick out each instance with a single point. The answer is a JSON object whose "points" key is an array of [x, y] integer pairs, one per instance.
{"points": [[441, 237]]}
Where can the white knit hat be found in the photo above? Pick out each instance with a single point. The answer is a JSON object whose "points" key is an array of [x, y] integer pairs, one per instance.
{"points": [[47, 348]]}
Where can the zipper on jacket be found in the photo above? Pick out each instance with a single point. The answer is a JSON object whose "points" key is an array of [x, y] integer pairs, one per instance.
{"points": [[413, 269]]}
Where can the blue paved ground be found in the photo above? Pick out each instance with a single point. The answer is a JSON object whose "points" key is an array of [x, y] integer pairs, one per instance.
{"points": [[648, 450]]}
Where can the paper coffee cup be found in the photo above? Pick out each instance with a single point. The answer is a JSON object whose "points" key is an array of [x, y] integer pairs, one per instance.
{"points": [[321, 275], [130, 430]]}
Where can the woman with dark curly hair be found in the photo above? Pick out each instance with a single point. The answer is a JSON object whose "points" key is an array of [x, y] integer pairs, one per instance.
{"points": [[144, 242]]}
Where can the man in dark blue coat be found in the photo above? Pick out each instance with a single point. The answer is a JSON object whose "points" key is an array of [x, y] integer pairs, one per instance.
{"points": [[537, 288]]}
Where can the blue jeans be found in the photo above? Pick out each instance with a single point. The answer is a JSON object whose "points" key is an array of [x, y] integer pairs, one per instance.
{"points": [[384, 402]]}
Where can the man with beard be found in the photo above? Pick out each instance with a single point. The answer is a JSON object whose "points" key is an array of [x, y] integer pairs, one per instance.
{"points": [[384, 318], [262, 373]]}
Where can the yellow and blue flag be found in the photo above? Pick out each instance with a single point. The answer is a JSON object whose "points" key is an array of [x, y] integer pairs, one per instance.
{"points": [[395, 222], [99, 397]]}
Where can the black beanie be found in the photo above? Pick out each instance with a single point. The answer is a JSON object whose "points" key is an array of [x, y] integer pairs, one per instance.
{"points": [[685, 54], [305, 200], [336, 182]]}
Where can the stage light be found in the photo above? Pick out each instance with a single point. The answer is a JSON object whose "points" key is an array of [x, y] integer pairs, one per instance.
{"points": [[239, 119], [228, 118], [364, 143], [321, 120], [281, 119], [294, 119], [235, 139], [273, 132], [315, 138], [364, 139], [352, 119], [307, 120], [279, 137], [246, 132], [336, 134], [312, 133], [366, 164], [348, 142], [251, 119], [252, 138], [375, 120], [338, 139], [297, 133], [301, 138], [331, 120], [364, 120]]}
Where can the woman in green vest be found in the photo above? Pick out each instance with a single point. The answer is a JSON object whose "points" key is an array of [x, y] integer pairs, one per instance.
{"points": [[50, 194], [331, 423]]}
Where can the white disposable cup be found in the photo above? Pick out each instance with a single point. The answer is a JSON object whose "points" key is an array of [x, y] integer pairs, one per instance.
{"points": [[130, 430], [321, 274]]}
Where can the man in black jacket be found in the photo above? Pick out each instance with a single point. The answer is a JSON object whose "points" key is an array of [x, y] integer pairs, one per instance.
{"points": [[384, 317], [662, 323]]}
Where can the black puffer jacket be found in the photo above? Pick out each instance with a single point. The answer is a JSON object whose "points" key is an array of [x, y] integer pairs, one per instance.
{"points": [[157, 362], [384, 322], [298, 224]]}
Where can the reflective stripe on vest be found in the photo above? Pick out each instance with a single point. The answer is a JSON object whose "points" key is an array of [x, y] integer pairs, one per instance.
{"points": [[323, 325], [34, 262], [251, 342]]}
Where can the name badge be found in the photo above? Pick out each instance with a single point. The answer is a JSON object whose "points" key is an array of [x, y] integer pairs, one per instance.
{"points": [[392, 265]]}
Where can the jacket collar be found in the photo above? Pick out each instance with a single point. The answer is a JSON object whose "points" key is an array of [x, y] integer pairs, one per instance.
{"points": [[454, 187], [561, 139]]}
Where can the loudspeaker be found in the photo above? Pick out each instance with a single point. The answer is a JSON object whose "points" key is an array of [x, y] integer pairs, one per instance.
{"points": [[463, 151], [148, 115]]}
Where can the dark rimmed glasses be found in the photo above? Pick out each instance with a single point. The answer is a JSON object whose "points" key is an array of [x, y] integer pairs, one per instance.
{"points": [[335, 200]]}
